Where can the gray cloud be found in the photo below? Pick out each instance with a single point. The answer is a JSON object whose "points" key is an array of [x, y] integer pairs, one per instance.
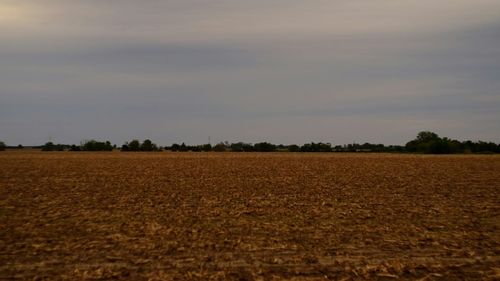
{"points": [[286, 71]]}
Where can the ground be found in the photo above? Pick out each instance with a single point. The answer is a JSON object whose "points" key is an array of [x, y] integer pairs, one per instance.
{"points": [[248, 216]]}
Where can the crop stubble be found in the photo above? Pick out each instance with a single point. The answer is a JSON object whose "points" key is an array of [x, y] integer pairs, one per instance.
{"points": [[247, 216]]}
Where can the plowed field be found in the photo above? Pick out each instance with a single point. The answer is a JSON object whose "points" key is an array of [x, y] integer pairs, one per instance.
{"points": [[248, 216]]}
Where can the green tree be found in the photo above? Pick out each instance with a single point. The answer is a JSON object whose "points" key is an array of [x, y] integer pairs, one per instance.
{"points": [[75, 148], [148, 145], [2, 146], [429, 142], [93, 145], [183, 147], [241, 146], [427, 136], [206, 147], [48, 146], [134, 145], [125, 147], [219, 147], [264, 147]]}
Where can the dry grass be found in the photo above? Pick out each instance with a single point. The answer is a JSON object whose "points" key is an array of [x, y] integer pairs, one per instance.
{"points": [[166, 216]]}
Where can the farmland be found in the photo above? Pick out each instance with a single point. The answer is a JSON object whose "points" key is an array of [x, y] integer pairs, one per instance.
{"points": [[248, 216]]}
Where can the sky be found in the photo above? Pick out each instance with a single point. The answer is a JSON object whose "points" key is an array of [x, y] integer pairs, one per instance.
{"points": [[283, 71]]}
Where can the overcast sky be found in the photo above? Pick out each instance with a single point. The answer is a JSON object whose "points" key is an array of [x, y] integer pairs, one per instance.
{"points": [[284, 71]]}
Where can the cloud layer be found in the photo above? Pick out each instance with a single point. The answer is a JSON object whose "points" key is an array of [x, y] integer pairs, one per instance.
{"points": [[280, 71]]}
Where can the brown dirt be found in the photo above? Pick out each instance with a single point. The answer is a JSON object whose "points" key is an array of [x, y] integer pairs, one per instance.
{"points": [[172, 216]]}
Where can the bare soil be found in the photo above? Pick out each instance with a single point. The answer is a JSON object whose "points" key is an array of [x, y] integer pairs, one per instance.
{"points": [[248, 216]]}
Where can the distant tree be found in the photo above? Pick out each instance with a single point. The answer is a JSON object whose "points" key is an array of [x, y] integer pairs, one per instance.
{"points": [[148, 145], [264, 147], [394, 148], [2, 146], [219, 147], [206, 147], [108, 146], [134, 145], [424, 142], [48, 146], [426, 136], [240, 147], [125, 147], [439, 146], [93, 145], [75, 148], [183, 147], [485, 147], [429, 142], [88, 145], [337, 148], [20, 146], [175, 147], [316, 147], [236, 147]]}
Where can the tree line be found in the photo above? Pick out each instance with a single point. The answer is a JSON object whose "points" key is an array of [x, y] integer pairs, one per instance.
{"points": [[425, 142], [94, 145], [269, 147], [429, 142], [90, 145]]}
